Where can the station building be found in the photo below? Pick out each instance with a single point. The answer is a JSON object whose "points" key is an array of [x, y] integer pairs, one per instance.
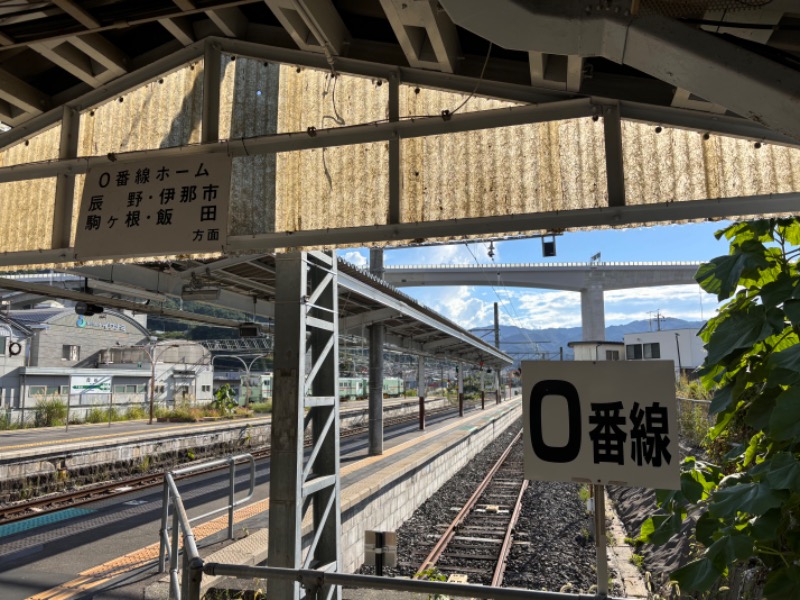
{"points": [[96, 361], [682, 346]]}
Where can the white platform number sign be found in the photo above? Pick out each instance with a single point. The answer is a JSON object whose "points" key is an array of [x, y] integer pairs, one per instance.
{"points": [[601, 422], [89, 385], [173, 205]]}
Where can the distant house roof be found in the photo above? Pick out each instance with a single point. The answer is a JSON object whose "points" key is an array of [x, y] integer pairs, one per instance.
{"points": [[36, 316], [32, 317]]}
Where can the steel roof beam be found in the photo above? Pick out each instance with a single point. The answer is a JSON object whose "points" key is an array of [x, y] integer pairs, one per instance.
{"points": [[230, 21], [152, 70], [336, 136], [746, 83], [426, 34], [180, 28], [367, 318], [78, 13], [22, 95], [315, 25], [54, 292], [172, 285], [438, 323]]}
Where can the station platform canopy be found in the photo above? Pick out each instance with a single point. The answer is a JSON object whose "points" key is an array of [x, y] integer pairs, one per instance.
{"points": [[248, 284], [350, 122]]}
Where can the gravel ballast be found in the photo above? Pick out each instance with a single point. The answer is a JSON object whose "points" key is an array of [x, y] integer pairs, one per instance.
{"points": [[553, 548]]}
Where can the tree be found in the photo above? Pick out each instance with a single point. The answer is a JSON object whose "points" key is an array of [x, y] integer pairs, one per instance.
{"points": [[749, 503]]}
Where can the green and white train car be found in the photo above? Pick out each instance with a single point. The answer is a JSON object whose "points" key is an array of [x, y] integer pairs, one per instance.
{"points": [[258, 387]]}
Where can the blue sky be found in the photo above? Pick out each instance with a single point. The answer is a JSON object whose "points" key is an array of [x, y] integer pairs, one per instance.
{"points": [[539, 309]]}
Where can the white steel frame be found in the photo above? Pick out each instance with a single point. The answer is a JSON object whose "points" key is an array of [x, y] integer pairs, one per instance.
{"points": [[306, 329]]}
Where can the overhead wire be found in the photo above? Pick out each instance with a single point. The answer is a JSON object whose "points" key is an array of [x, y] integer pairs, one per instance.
{"points": [[516, 319]]}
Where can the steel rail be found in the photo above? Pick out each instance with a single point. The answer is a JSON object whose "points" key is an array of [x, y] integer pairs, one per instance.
{"points": [[104, 491], [450, 532], [505, 548]]}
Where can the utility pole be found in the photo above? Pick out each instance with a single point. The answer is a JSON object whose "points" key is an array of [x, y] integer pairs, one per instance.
{"points": [[497, 325]]}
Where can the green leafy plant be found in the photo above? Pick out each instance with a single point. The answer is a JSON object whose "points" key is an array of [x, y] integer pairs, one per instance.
{"points": [[224, 400], [749, 500]]}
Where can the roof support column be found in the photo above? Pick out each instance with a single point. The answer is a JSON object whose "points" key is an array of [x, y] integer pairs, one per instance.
{"points": [[593, 319], [65, 182], [395, 179], [422, 386], [377, 336], [460, 378], [615, 171], [212, 81], [306, 302]]}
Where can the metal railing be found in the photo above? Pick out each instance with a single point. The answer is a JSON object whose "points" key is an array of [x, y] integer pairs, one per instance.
{"points": [[169, 548], [543, 266], [188, 585]]}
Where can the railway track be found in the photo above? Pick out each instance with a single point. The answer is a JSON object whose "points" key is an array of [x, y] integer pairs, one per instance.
{"points": [[93, 493], [477, 542]]}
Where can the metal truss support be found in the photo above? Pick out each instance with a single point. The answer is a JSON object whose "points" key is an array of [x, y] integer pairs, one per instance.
{"points": [[305, 395], [376, 342]]}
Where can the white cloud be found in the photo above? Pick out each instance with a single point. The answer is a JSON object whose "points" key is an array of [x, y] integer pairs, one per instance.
{"points": [[356, 258]]}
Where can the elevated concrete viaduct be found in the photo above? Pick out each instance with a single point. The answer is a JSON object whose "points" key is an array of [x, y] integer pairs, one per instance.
{"points": [[590, 279]]}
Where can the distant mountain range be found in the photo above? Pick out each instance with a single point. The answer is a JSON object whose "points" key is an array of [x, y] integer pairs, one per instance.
{"points": [[519, 342]]}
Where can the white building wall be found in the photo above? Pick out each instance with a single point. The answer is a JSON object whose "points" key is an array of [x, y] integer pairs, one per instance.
{"points": [[598, 351], [671, 343]]}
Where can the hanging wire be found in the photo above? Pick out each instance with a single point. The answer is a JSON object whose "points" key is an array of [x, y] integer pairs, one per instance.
{"points": [[516, 319], [477, 85]]}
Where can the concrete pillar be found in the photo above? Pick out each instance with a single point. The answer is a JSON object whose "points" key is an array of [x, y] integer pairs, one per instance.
{"points": [[593, 313], [376, 341]]}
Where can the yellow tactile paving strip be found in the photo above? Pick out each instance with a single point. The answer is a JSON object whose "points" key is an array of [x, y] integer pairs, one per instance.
{"points": [[96, 576]]}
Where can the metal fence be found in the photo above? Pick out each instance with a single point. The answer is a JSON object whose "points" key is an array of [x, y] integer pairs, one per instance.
{"points": [[169, 542]]}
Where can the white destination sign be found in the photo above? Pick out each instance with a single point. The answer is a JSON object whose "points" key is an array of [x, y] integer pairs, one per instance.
{"points": [[167, 206], [89, 385], [601, 422]]}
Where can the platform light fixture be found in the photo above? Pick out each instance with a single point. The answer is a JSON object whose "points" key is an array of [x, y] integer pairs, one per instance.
{"points": [[87, 309], [549, 246], [249, 330]]}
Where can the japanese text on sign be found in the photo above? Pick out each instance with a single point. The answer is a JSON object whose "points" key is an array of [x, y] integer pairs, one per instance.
{"points": [[90, 385], [601, 422], [173, 205]]}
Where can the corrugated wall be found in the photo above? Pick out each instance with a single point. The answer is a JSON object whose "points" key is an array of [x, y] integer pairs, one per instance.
{"points": [[336, 187], [523, 169], [26, 207]]}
